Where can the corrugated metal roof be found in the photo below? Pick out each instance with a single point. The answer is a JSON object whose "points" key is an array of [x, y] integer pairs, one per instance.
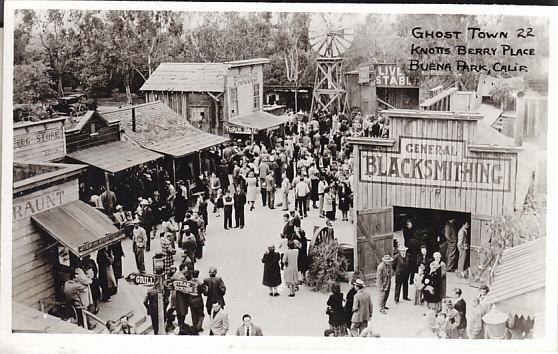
{"points": [[160, 129], [521, 270], [259, 120], [187, 77], [115, 157]]}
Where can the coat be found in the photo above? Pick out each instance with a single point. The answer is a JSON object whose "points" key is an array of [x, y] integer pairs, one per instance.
{"points": [[179, 208], [383, 273], [344, 198], [219, 323], [290, 259], [106, 273], [400, 265], [151, 302], [272, 270], [215, 290], [254, 331], [362, 307], [303, 264], [349, 306], [337, 315], [239, 200]]}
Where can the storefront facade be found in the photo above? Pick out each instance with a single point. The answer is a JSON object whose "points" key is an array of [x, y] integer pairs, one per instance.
{"points": [[436, 161]]}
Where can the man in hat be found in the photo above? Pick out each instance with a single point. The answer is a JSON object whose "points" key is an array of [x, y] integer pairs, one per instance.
{"points": [[239, 203], [270, 189], [140, 240], [147, 221], [119, 215], [383, 280], [362, 309], [401, 266]]}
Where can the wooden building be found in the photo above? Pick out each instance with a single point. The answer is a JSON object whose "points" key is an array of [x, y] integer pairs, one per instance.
{"points": [[40, 141], [293, 99], [381, 85], [433, 163], [208, 95]]}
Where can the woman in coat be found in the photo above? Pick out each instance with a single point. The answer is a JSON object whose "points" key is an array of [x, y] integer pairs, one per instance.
{"points": [[251, 189], [300, 236], [107, 279], [336, 312], [272, 270], [344, 194], [91, 270], [290, 260], [179, 207]]}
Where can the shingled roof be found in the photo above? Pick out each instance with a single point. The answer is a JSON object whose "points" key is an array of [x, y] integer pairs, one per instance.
{"points": [[160, 129], [193, 77]]}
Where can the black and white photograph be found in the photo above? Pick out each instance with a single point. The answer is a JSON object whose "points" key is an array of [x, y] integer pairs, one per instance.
{"points": [[277, 173]]}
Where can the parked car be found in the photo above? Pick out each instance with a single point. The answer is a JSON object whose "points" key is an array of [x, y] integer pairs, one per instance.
{"points": [[74, 104]]}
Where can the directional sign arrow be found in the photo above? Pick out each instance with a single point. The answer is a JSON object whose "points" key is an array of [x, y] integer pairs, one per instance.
{"points": [[142, 279]]}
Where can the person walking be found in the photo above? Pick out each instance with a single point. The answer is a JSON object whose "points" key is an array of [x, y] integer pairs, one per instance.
{"points": [[251, 189], [401, 269], [285, 189], [462, 247], [228, 203], [118, 253], [272, 270], [248, 328], [270, 188], [303, 264], [196, 303], [151, 303], [336, 312], [322, 185], [106, 273], [290, 260], [239, 203], [180, 208], [383, 281], [344, 195], [362, 309], [453, 321], [461, 306], [215, 290], [147, 222], [219, 321]]}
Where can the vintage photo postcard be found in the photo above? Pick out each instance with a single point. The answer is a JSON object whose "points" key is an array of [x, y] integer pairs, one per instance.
{"points": [[278, 170]]}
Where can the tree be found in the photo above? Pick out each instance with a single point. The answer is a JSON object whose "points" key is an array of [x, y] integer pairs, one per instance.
{"points": [[22, 36], [32, 83], [326, 266]]}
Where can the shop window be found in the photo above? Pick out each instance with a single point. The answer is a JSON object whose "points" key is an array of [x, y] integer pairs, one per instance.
{"points": [[233, 94], [256, 97]]}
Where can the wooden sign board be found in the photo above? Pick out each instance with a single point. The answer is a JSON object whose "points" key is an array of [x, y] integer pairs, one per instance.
{"points": [[364, 75], [392, 75], [435, 163], [142, 279], [186, 287], [39, 141], [236, 129]]}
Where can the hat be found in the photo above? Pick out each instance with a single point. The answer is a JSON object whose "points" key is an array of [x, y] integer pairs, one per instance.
{"points": [[167, 182], [359, 283], [280, 139], [119, 207], [402, 248], [387, 258], [136, 220], [272, 158], [144, 202]]}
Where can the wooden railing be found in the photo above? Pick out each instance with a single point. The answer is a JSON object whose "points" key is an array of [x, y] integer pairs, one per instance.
{"points": [[440, 102]]}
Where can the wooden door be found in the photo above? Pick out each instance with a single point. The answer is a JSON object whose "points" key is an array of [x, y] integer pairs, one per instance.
{"points": [[481, 259], [374, 239], [199, 117]]}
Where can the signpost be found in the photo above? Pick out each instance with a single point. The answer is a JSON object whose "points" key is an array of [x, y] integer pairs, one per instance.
{"points": [[186, 287], [142, 279], [151, 280]]}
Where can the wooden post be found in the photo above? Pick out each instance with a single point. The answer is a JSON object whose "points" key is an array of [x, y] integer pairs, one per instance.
{"points": [[107, 183], [158, 178], [174, 172], [160, 305], [519, 119]]}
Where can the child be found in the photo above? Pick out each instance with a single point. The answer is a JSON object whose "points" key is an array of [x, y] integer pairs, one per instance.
{"points": [[441, 324], [418, 285], [219, 201]]}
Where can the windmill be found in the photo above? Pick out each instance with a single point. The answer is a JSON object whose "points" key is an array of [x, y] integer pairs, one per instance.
{"points": [[330, 35]]}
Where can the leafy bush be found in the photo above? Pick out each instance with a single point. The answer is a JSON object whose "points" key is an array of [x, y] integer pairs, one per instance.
{"points": [[326, 266]]}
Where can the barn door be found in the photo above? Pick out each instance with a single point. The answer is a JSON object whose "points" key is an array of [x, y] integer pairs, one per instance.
{"points": [[481, 260], [374, 239]]}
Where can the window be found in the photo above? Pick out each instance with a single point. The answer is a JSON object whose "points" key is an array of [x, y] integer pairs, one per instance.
{"points": [[93, 129], [233, 94], [256, 97]]}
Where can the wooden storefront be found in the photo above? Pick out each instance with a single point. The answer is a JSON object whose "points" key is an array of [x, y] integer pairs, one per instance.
{"points": [[438, 161], [39, 141]]}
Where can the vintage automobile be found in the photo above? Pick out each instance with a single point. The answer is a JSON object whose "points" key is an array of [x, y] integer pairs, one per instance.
{"points": [[74, 104]]}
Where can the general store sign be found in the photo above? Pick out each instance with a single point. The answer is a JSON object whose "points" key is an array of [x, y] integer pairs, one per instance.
{"points": [[434, 163], [392, 75], [40, 141]]}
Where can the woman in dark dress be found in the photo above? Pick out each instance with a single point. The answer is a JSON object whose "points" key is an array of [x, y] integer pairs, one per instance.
{"points": [[336, 312], [117, 253], [272, 270], [179, 207], [344, 194], [300, 236]]}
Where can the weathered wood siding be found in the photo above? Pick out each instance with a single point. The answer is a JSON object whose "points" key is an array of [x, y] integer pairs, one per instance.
{"points": [[40, 141], [32, 273], [83, 139], [487, 198], [243, 79]]}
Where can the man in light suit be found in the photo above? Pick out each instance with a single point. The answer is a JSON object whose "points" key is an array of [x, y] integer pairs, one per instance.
{"points": [[383, 281], [248, 328], [362, 309], [219, 321]]}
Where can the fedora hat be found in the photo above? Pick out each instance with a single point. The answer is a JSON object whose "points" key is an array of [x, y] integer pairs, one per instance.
{"points": [[359, 283], [144, 202], [387, 258], [402, 248]]}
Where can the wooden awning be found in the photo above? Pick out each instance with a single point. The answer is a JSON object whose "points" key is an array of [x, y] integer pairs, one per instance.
{"points": [[79, 227], [256, 121], [115, 156]]}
